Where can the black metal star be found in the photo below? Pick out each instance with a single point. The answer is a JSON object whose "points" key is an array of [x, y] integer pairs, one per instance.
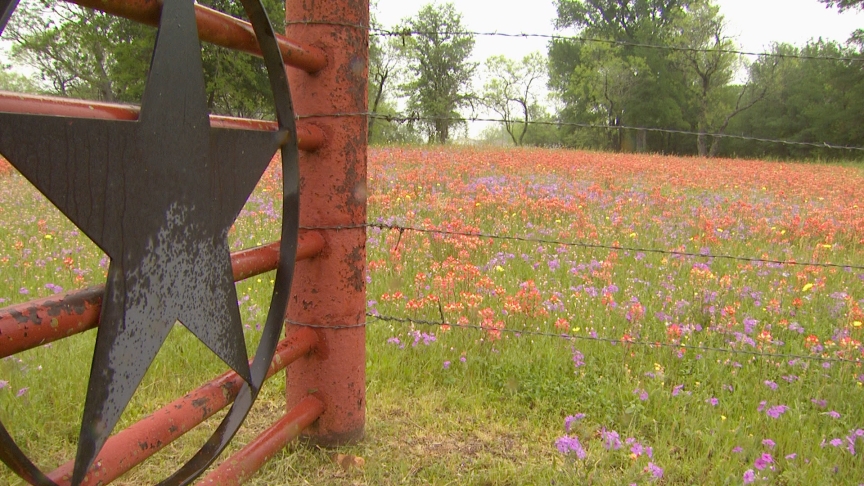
{"points": [[158, 195]]}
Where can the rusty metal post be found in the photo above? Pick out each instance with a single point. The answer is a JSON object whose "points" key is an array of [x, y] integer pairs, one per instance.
{"points": [[330, 289]]}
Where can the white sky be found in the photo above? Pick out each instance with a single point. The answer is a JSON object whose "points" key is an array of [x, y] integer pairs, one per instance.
{"points": [[755, 23]]}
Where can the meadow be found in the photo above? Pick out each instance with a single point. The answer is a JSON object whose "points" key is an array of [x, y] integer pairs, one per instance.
{"points": [[627, 319]]}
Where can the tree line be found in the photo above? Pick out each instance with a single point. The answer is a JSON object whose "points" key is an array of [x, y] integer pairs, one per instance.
{"points": [[628, 68]]}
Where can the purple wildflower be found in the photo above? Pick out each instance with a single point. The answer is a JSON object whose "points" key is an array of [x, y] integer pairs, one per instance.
{"points": [[713, 401], [836, 442], [446, 364], [643, 395], [749, 476], [568, 421], [611, 439], [3, 384], [737, 449], [776, 411], [763, 461], [568, 444], [770, 384], [578, 358], [833, 414], [22, 391], [676, 390], [768, 443], [655, 470], [791, 456]]}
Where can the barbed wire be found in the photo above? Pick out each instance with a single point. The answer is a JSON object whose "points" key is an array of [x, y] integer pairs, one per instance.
{"points": [[636, 342], [528, 332], [404, 33], [461, 119], [596, 246]]}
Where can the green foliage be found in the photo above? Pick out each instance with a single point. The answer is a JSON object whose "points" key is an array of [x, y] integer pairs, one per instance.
{"points": [[708, 70], [79, 52], [391, 132], [437, 51], [691, 88], [385, 68], [510, 91], [615, 85], [816, 101], [12, 81]]}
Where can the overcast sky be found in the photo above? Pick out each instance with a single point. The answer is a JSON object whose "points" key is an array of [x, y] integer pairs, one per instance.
{"points": [[754, 23]]}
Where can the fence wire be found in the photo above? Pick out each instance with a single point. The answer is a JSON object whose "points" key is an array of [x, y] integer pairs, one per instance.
{"points": [[597, 246], [567, 336], [575, 38], [464, 119]]}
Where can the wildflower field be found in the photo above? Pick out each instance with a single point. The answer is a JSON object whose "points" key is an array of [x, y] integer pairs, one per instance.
{"points": [[625, 319]]}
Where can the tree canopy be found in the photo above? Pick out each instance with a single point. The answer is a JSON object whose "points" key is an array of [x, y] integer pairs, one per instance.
{"points": [[437, 49]]}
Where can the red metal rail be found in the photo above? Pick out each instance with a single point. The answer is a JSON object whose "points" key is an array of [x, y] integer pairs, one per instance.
{"points": [[239, 467], [133, 445], [310, 137], [31, 324], [216, 28]]}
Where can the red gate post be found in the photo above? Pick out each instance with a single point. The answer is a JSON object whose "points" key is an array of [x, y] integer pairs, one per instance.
{"points": [[330, 289]]}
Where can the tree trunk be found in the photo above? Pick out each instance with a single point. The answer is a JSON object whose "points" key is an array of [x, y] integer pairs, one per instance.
{"points": [[702, 143], [641, 140]]}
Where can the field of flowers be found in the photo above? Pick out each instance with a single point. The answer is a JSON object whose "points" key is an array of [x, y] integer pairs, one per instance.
{"points": [[614, 341]]}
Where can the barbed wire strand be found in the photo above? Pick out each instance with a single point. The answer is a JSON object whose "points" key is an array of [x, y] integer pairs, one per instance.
{"points": [[404, 33], [407, 118], [596, 246], [566, 336]]}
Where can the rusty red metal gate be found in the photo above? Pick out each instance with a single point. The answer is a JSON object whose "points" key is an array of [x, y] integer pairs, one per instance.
{"points": [[324, 358]]}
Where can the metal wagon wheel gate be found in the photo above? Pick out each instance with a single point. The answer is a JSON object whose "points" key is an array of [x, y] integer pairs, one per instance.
{"points": [[165, 184]]}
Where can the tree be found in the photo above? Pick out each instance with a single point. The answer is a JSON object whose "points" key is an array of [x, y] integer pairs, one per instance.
{"points": [[384, 67], [815, 101], [632, 20], [85, 53], [510, 91], [76, 50], [619, 83], [437, 48], [706, 60]]}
